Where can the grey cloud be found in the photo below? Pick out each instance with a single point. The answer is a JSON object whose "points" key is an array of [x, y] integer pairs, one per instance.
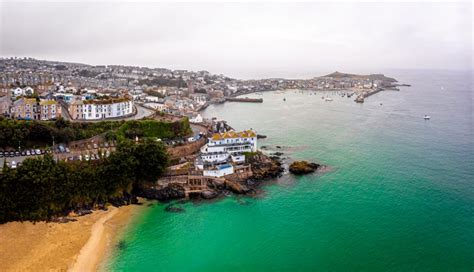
{"points": [[243, 39]]}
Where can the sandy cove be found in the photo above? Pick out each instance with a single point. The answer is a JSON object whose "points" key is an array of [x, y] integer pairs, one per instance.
{"points": [[73, 246]]}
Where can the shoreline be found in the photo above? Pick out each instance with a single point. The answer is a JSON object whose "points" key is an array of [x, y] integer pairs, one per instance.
{"points": [[81, 245]]}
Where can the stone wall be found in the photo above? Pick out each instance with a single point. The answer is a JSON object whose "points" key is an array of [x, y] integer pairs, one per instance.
{"points": [[186, 150]]}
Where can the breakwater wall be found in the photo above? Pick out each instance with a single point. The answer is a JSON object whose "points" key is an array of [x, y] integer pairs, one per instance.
{"points": [[246, 99]]}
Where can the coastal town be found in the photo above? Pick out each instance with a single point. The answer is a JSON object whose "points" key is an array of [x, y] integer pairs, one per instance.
{"points": [[211, 158], [90, 120], [33, 89]]}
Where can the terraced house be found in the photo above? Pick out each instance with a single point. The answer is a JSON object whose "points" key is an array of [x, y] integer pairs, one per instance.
{"points": [[49, 109], [34, 109], [100, 108]]}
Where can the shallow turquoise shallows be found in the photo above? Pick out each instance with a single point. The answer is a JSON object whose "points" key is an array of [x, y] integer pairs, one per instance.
{"points": [[399, 196]]}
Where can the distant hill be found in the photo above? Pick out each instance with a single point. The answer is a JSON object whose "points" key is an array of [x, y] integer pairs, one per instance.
{"points": [[340, 75]]}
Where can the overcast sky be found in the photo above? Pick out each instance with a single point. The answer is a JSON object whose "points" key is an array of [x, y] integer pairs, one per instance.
{"points": [[243, 39]]}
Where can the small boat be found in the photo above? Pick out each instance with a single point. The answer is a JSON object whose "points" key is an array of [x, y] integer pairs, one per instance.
{"points": [[427, 117], [328, 99], [284, 99]]}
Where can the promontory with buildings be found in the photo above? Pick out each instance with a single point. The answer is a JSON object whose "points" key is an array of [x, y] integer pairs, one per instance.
{"points": [[80, 113], [77, 138]]}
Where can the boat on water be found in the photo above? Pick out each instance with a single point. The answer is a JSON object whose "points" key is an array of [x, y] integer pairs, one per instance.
{"points": [[328, 99], [427, 117], [284, 99]]}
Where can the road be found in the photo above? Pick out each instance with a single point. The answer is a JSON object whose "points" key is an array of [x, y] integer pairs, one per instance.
{"points": [[141, 113]]}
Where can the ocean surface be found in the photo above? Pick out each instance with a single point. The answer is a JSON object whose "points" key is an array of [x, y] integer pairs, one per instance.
{"points": [[399, 195]]}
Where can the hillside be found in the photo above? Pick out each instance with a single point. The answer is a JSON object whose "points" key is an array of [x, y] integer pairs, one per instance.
{"points": [[339, 75]]}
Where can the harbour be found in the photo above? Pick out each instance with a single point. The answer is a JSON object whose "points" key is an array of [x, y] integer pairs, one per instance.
{"points": [[404, 180]]}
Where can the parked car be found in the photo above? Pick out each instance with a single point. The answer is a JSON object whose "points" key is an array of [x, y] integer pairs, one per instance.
{"points": [[38, 152], [23, 153], [95, 146], [42, 151], [28, 153], [14, 164], [106, 144], [86, 157], [32, 151], [67, 150], [1, 154], [89, 146], [12, 154]]}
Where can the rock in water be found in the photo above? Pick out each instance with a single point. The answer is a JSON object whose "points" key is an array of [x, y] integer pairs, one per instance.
{"points": [[264, 167], [175, 209], [303, 167], [209, 194]]}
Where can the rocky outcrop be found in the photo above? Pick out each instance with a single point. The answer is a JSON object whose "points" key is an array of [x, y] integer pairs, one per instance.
{"points": [[171, 192], [237, 187], [264, 167], [303, 167], [209, 194]]}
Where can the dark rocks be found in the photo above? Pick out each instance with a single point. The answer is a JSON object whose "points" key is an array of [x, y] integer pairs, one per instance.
{"points": [[209, 194], [171, 192], [82, 212], [125, 199], [237, 187], [174, 209], [121, 245], [303, 167], [278, 154], [264, 167], [278, 146]]}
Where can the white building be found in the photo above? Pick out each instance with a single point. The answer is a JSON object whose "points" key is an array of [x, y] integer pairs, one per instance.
{"points": [[152, 98], [22, 92], [214, 157], [100, 109], [223, 149], [219, 170], [196, 119], [232, 142]]}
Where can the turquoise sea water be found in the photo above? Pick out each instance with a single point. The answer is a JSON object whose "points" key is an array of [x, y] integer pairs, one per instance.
{"points": [[399, 197]]}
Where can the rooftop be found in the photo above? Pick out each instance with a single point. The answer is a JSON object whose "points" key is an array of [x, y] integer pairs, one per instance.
{"points": [[233, 134]]}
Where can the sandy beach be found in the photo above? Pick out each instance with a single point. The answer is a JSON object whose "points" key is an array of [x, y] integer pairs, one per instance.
{"points": [[73, 246]]}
